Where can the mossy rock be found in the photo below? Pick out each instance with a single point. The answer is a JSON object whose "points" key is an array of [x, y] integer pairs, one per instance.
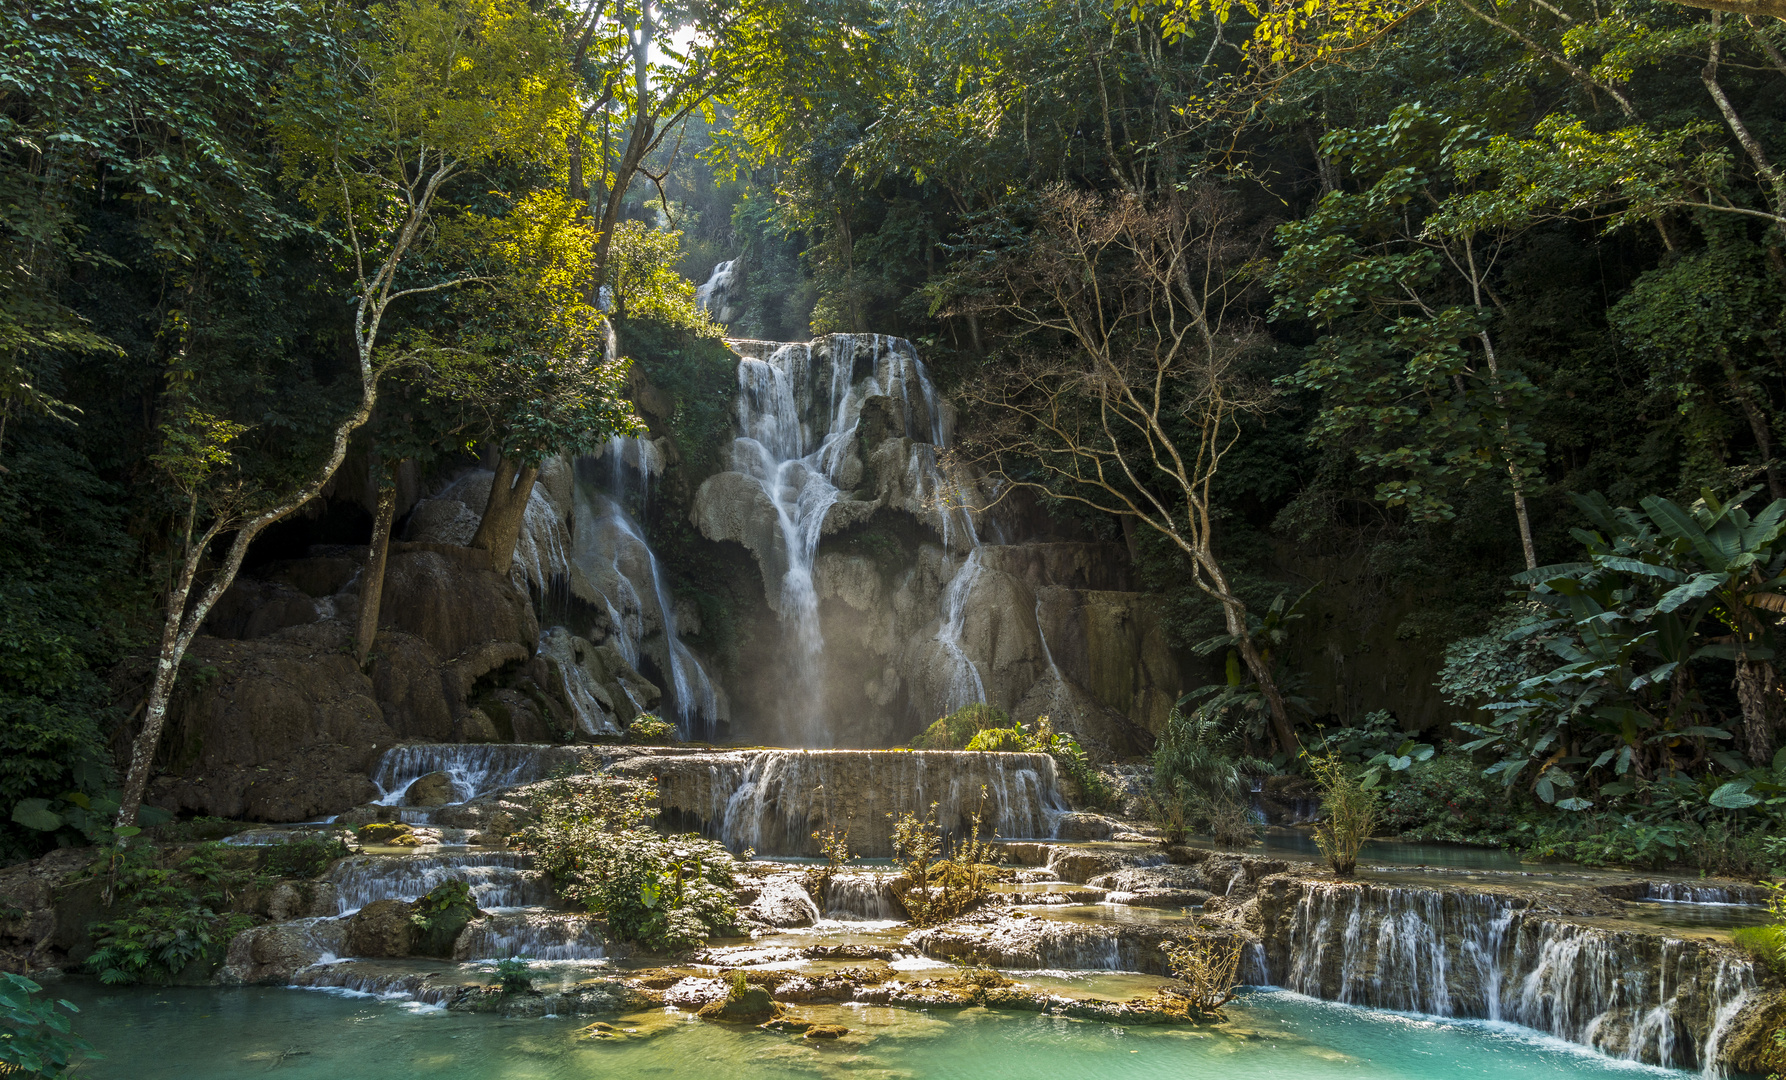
{"points": [[752, 1006], [388, 833], [827, 1031]]}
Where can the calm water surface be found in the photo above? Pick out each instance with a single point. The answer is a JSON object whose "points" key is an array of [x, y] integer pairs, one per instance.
{"points": [[205, 1034]]}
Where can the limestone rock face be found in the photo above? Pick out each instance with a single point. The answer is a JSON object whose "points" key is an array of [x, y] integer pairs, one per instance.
{"points": [[451, 599], [732, 506], [285, 731]]}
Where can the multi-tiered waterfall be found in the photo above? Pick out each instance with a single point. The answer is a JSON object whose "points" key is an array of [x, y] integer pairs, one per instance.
{"points": [[800, 422]]}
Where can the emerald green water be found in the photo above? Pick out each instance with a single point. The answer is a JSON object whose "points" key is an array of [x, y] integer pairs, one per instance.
{"points": [[203, 1034]]}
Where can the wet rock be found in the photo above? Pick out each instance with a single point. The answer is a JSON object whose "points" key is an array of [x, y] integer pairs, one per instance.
{"points": [[1084, 826], [433, 789], [274, 954], [827, 1031], [300, 899], [1081, 865], [782, 901], [752, 1006], [30, 895], [1159, 898]]}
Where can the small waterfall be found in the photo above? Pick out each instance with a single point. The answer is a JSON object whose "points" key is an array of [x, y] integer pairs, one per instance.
{"points": [[861, 898], [1688, 892], [771, 801], [537, 935], [1659, 1000], [579, 686], [618, 562], [474, 768], [498, 879], [373, 980], [964, 686], [714, 296]]}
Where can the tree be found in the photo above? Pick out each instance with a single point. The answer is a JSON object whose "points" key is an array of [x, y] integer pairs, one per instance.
{"points": [[374, 130], [1130, 386], [1399, 277]]}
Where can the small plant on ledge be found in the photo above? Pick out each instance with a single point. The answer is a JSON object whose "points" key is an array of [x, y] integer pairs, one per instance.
{"points": [[514, 975], [1349, 811]]}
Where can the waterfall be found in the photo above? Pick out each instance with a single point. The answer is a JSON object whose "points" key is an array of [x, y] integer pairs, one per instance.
{"points": [[799, 412], [498, 879], [714, 296], [1688, 892], [771, 801], [1659, 1000], [615, 558], [964, 686], [579, 686], [537, 935], [474, 768], [861, 898]]}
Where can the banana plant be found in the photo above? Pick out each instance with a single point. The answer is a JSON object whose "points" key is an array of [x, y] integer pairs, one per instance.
{"points": [[1666, 596]]}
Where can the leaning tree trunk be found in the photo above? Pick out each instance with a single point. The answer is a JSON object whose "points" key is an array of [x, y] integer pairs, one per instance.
{"points": [[504, 512], [372, 575]]}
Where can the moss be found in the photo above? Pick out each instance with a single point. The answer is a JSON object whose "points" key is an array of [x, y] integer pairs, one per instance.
{"points": [[955, 731]]}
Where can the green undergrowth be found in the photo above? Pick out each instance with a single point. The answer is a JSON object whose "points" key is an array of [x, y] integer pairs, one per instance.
{"points": [[662, 892], [981, 727], [165, 919]]}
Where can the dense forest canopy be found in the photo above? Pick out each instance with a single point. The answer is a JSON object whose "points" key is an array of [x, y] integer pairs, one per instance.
{"points": [[1486, 297]]}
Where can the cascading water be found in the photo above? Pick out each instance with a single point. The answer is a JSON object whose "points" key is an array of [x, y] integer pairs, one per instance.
{"points": [[964, 686], [498, 879], [474, 768], [1659, 1000], [799, 412], [714, 296], [537, 935], [615, 558]]}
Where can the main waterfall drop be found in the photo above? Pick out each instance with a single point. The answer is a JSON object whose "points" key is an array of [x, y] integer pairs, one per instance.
{"points": [[894, 589], [806, 413]]}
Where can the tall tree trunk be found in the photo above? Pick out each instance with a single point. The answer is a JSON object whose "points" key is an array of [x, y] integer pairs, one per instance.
{"points": [[1283, 732], [504, 512], [372, 575], [1759, 692]]}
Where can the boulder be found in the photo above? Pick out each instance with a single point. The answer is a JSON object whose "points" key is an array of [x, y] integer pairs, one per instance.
{"points": [[432, 789], [752, 1006], [273, 954], [782, 901], [381, 929]]}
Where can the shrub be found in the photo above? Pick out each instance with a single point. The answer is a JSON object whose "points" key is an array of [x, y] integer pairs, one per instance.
{"points": [[934, 890], [663, 892], [1199, 782], [956, 730], [1208, 966], [1350, 811], [652, 730], [172, 917], [1000, 740], [835, 847], [1447, 799], [513, 975], [35, 1038]]}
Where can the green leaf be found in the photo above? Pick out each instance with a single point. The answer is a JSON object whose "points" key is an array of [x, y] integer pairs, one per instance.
{"points": [[1734, 795], [36, 814]]}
